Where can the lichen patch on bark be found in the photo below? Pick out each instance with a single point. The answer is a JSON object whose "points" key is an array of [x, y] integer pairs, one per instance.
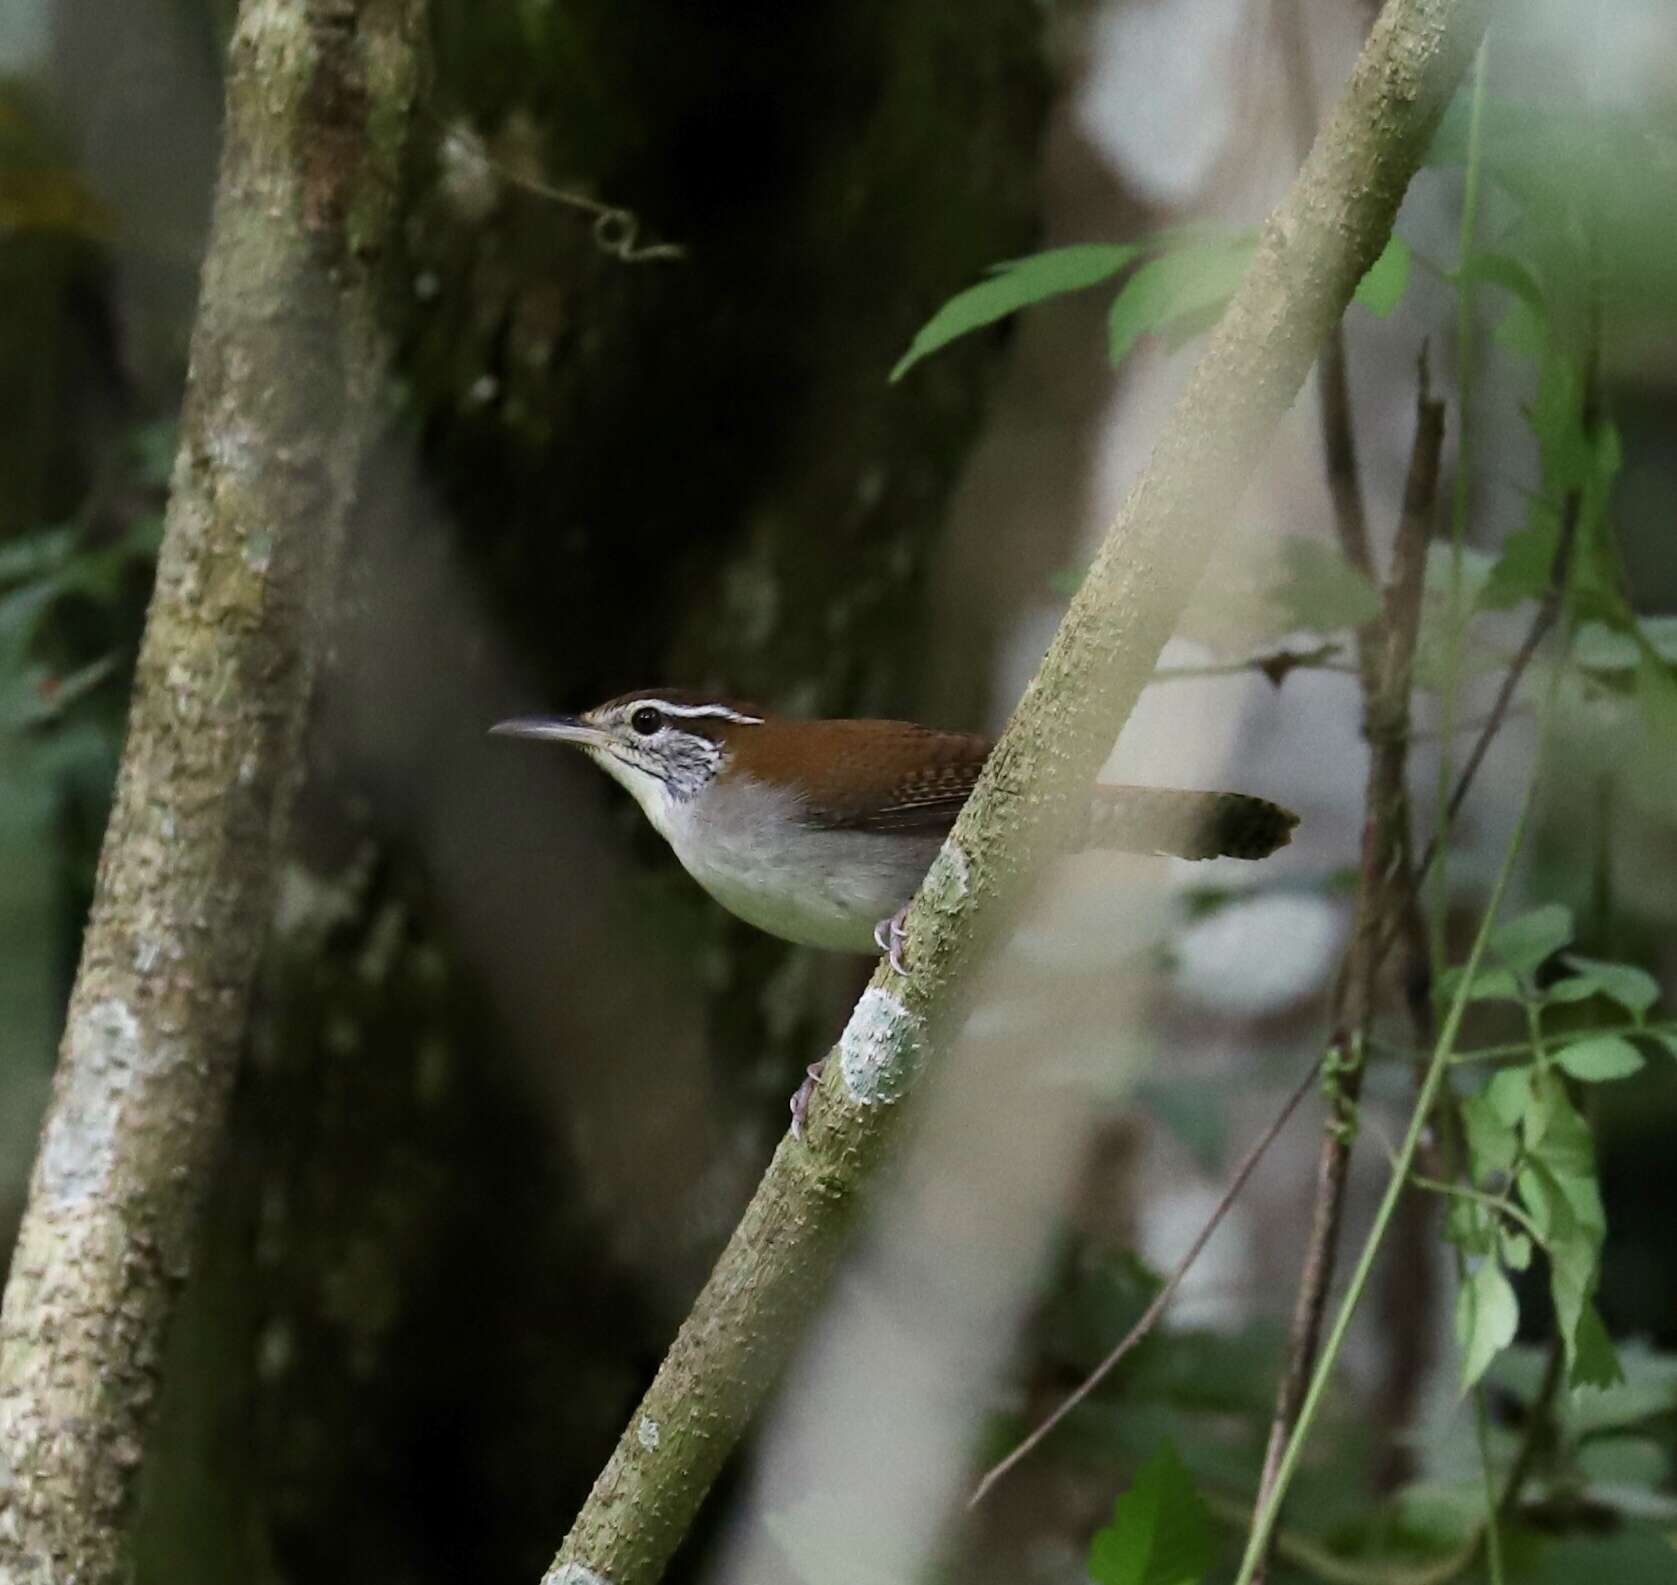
{"points": [[880, 1050]]}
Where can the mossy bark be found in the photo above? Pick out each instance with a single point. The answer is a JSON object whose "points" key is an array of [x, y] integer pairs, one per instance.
{"points": [[282, 398]]}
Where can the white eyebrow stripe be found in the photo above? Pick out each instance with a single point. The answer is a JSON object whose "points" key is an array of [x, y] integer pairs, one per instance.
{"points": [[718, 712]]}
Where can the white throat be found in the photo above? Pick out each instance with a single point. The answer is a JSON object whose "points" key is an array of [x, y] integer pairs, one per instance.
{"points": [[658, 803]]}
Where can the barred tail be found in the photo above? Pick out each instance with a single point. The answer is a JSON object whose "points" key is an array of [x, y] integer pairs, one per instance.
{"points": [[1189, 825]]}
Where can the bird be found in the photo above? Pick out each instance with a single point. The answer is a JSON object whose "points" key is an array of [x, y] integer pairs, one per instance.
{"points": [[820, 831]]}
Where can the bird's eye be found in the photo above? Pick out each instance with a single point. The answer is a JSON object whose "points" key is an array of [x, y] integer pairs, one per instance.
{"points": [[646, 720]]}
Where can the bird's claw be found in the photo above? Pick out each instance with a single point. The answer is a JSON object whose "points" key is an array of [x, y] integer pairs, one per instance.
{"points": [[801, 1098], [889, 936]]}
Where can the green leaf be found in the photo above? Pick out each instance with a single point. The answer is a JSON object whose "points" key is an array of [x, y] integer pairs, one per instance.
{"points": [[1648, 762], [1545, 1205], [1515, 1248], [37, 555], [1185, 283], [1555, 1132], [1502, 269], [1634, 989], [1382, 289], [1487, 1317], [1562, 1197], [1574, 988], [1320, 590], [1440, 573], [1437, 658], [1573, 1272], [1599, 647], [1509, 1094], [1583, 1198], [1493, 984], [1649, 1389], [1525, 943], [1272, 589], [1636, 1555], [1523, 569], [1492, 1143], [1598, 1058], [1014, 286], [1595, 1361], [1557, 420], [1522, 331], [21, 614], [1470, 1226], [1656, 696], [1624, 1461], [1160, 1532]]}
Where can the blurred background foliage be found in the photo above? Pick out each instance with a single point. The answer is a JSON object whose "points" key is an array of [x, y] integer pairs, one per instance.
{"points": [[488, 1140]]}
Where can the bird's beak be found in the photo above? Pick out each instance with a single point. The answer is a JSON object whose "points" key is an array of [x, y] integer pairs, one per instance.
{"points": [[554, 728]]}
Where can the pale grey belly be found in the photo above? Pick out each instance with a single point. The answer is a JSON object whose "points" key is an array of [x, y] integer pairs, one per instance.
{"points": [[819, 888]]}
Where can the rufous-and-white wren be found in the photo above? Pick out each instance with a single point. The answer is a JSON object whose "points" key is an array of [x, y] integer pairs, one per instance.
{"points": [[821, 831]]}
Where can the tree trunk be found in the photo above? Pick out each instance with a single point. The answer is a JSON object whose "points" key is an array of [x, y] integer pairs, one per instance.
{"points": [[282, 398]]}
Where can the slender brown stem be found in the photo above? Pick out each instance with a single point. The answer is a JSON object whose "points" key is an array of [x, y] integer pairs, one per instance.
{"points": [[1385, 653], [1387, 649], [1161, 1300]]}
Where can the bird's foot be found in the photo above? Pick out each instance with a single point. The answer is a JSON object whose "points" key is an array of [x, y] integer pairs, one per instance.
{"points": [[889, 936], [801, 1097]]}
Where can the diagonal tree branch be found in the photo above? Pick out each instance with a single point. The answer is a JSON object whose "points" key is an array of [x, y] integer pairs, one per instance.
{"points": [[1312, 252], [281, 402]]}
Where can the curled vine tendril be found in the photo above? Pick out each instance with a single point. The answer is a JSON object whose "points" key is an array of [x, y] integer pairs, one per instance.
{"points": [[616, 231]]}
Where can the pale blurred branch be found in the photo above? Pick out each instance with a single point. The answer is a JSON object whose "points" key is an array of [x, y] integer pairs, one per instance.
{"points": [[1313, 251], [287, 363]]}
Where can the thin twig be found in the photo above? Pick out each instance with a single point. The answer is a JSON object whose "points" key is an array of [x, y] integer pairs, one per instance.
{"points": [[1274, 666], [1349, 1018], [1410, 1286], [1388, 649], [1161, 1300], [1521, 1048]]}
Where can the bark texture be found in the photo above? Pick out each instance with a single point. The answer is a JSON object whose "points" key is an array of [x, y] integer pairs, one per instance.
{"points": [[286, 362], [1313, 251]]}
